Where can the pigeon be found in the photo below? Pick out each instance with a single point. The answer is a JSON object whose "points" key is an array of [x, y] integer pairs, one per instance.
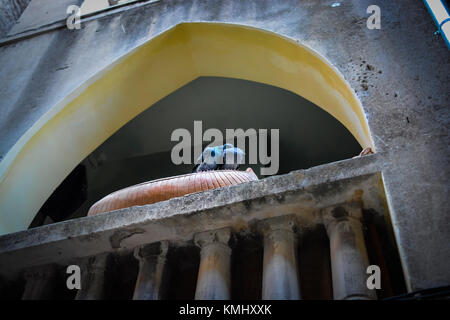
{"points": [[209, 159], [232, 158], [225, 157]]}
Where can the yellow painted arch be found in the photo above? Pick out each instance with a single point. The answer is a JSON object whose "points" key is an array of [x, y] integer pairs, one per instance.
{"points": [[73, 128]]}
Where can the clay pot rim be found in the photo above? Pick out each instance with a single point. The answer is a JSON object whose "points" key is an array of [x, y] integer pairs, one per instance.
{"points": [[171, 178]]}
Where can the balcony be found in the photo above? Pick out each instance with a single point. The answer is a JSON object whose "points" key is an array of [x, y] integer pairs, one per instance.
{"points": [[308, 234]]}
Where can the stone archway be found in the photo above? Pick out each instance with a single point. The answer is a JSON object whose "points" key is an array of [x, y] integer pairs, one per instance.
{"points": [[73, 128]]}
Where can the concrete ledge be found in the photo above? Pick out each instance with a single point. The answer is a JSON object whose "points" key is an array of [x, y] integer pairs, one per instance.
{"points": [[301, 192]]}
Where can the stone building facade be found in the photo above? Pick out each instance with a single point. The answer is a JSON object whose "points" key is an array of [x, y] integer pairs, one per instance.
{"points": [[310, 233]]}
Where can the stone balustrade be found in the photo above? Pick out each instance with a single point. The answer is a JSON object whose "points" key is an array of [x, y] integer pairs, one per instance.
{"points": [[280, 280], [209, 221]]}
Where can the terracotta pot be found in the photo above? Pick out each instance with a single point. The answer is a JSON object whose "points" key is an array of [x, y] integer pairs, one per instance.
{"points": [[167, 188]]}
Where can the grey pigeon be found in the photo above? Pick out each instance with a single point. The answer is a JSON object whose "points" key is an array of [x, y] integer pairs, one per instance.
{"points": [[225, 157], [209, 159], [232, 158]]}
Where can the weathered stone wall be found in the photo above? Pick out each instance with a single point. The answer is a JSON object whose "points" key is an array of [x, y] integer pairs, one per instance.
{"points": [[400, 73], [10, 13], [42, 13]]}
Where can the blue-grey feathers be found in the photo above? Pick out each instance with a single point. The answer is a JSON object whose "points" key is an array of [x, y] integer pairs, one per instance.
{"points": [[225, 157], [232, 158]]}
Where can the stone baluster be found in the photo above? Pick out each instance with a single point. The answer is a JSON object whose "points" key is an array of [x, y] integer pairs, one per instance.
{"points": [[280, 273], [152, 280], [93, 276], [348, 251], [213, 281], [40, 283]]}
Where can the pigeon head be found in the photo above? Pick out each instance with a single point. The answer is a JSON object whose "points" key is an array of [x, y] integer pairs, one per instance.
{"points": [[225, 157]]}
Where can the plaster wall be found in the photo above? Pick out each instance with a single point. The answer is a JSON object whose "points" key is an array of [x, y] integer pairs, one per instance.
{"points": [[41, 13], [10, 12]]}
